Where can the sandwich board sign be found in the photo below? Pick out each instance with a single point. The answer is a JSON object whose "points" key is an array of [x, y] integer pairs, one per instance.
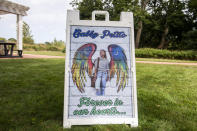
{"points": [[100, 76]]}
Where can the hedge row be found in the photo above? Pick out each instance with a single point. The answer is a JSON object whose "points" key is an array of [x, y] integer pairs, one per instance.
{"points": [[165, 54]]}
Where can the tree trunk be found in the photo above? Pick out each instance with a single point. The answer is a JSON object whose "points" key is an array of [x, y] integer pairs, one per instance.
{"points": [[140, 24], [138, 36], [163, 38]]}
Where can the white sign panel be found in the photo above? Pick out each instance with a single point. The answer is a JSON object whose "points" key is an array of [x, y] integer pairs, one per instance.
{"points": [[100, 78]]}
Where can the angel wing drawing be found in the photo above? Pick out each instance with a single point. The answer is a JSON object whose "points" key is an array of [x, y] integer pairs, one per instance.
{"points": [[82, 64]]}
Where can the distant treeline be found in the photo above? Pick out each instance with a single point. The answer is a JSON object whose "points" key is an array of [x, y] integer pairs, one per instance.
{"points": [[169, 24], [55, 45]]}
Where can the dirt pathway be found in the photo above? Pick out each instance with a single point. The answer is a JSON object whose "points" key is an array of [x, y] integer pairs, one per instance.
{"points": [[31, 56], [167, 63]]}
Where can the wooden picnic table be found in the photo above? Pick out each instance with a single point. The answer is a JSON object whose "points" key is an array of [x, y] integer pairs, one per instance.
{"points": [[6, 51]]}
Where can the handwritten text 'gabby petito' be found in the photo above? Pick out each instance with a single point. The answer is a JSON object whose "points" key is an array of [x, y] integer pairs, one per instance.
{"points": [[92, 34]]}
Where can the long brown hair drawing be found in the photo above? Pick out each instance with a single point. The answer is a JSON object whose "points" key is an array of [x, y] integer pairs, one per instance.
{"points": [[103, 53]]}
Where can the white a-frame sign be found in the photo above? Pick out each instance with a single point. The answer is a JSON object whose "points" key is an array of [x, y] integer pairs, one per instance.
{"points": [[100, 76]]}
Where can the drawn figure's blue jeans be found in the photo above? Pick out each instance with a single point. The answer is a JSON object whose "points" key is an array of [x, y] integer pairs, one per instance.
{"points": [[101, 82]]}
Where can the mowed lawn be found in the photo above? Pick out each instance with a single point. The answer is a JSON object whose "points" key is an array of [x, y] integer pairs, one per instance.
{"points": [[31, 97]]}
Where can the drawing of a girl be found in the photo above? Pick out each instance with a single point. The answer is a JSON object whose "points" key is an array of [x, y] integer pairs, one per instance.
{"points": [[101, 73]]}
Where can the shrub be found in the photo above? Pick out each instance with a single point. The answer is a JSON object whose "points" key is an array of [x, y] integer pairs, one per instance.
{"points": [[64, 50], [42, 47], [166, 54], [3, 39], [52, 48]]}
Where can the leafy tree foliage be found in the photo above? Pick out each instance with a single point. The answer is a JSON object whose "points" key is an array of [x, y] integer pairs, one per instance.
{"points": [[12, 39], [3, 39], [161, 24], [87, 6], [57, 42], [27, 36]]}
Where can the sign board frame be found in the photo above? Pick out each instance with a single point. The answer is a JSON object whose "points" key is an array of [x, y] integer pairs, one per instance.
{"points": [[126, 20]]}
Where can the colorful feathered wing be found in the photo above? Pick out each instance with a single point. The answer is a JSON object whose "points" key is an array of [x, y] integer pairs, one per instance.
{"points": [[118, 66], [82, 63]]}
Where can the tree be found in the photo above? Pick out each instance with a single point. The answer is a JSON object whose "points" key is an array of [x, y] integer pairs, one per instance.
{"points": [[189, 37], [192, 13], [87, 6], [12, 39], [140, 23], [117, 6], [170, 21], [190, 40], [27, 36], [57, 42], [157, 23], [2, 39], [114, 7]]}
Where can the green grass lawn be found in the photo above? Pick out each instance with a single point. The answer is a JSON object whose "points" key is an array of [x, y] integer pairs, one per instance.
{"points": [[31, 97]]}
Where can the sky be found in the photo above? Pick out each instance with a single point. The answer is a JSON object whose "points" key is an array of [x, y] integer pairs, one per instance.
{"points": [[46, 18]]}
